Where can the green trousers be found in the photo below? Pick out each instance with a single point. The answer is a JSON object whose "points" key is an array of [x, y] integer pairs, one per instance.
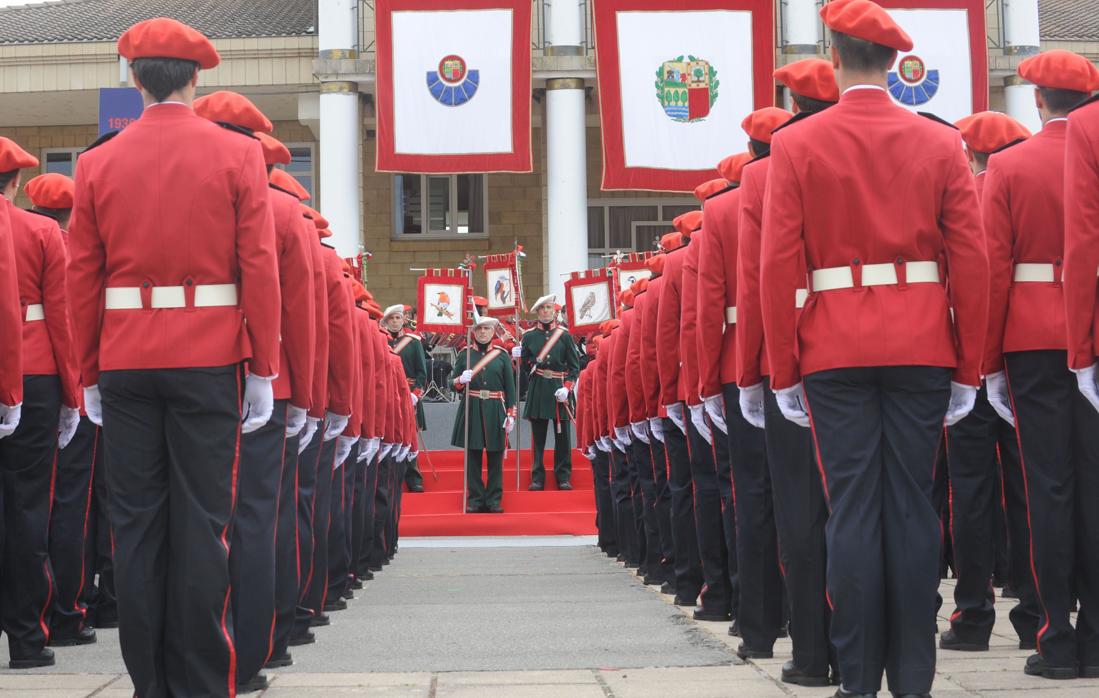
{"points": [[482, 494], [562, 451]]}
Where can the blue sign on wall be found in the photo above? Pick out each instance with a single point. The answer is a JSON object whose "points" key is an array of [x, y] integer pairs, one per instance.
{"points": [[118, 107]]}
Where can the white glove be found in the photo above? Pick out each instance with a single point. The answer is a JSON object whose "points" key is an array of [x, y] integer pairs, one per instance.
{"points": [[259, 401], [93, 406], [698, 418], [603, 444], [562, 394], [412, 456], [334, 425], [402, 454], [1085, 380], [9, 417], [311, 424], [364, 450], [640, 430], [66, 425], [373, 446], [385, 451], [589, 453], [675, 413], [751, 404], [962, 399], [656, 426], [622, 434], [295, 419], [415, 399], [996, 389], [509, 424], [619, 445], [792, 403], [466, 377], [343, 450], [517, 352], [715, 410]]}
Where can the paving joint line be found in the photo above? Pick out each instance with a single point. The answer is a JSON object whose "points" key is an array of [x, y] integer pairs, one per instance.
{"points": [[607, 691], [434, 688], [105, 686]]}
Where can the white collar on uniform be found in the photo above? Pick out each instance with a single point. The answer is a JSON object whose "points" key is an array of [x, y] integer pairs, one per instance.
{"points": [[1056, 118], [157, 104], [864, 87]]}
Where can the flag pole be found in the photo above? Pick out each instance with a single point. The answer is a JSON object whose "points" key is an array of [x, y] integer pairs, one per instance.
{"points": [[518, 417], [465, 441]]}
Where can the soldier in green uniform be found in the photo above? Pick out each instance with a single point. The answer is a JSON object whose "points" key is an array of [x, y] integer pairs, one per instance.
{"points": [[411, 350], [489, 384], [550, 355]]}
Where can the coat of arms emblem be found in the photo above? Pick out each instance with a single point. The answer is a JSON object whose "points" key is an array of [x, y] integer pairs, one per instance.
{"points": [[453, 84], [686, 88], [912, 83]]}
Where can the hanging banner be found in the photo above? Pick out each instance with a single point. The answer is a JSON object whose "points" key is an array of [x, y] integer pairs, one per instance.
{"points": [[631, 268], [589, 300], [946, 72], [445, 301], [453, 87], [676, 78], [504, 285]]}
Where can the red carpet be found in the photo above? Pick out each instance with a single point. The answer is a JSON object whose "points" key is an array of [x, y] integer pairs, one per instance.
{"points": [[439, 511]]}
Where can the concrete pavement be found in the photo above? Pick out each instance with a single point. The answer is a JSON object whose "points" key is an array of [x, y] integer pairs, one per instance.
{"points": [[535, 622]]}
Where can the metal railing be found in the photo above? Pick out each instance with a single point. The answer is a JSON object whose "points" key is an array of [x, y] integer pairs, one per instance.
{"points": [[538, 31]]}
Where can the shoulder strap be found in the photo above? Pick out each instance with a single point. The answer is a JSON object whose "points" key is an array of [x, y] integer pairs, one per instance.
{"points": [[486, 360], [400, 345], [238, 129], [550, 343]]}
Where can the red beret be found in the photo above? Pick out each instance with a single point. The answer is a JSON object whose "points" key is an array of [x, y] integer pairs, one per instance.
{"points": [[865, 20], [480, 300], [51, 190], [361, 296], [233, 108], [760, 123], [13, 157], [731, 167], [166, 38], [707, 189], [671, 241], [374, 310], [1060, 70], [274, 152], [285, 181], [656, 262], [318, 220], [640, 286], [324, 232], [812, 77], [609, 326], [688, 222], [988, 131], [626, 297]]}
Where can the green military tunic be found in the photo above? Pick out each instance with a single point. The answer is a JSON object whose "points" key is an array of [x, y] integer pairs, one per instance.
{"points": [[414, 360], [486, 416], [562, 358]]}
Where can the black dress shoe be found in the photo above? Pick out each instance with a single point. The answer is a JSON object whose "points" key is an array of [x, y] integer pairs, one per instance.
{"points": [[1089, 672], [306, 638], [1036, 666], [685, 601], [840, 693], [537, 487], [564, 486], [43, 658], [707, 614], [650, 581], [495, 509], [791, 674], [416, 488], [374, 568], [473, 510], [256, 683], [357, 584], [86, 636], [632, 565], [348, 594], [734, 628], [282, 660], [365, 577], [748, 653], [949, 640], [337, 605], [667, 588], [619, 557], [104, 620], [319, 620]]}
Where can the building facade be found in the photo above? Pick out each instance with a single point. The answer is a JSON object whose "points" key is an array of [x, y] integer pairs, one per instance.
{"points": [[309, 64]]}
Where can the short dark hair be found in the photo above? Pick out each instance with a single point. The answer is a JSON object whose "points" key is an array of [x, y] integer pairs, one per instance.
{"points": [[860, 54], [1061, 101], [162, 76], [54, 213], [980, 158], [808, 105], [6, 177], [759, 148]]}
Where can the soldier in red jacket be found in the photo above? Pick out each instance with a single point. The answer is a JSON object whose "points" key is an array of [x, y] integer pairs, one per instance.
{"points": [[1027, 372], [882, 364], [11, 329], [799, 511], [173, 284], [49, 417], [984, 471], [268, 466]]}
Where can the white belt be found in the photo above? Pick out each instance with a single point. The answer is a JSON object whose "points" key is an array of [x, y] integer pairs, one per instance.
{"points": [[875, 275], [206, 296], [34, 312], [730, 315], [1042, 273]]}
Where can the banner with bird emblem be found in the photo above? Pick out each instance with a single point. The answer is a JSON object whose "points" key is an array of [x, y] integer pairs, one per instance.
{"points": [[445, 301], [504, 284], [589, 300]]}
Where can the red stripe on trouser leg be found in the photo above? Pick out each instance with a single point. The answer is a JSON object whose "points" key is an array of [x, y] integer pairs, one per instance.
{"points": [[278, 507], [1026, 494], [46, 565], [84, 535], [823, 482], [232, 677]]}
